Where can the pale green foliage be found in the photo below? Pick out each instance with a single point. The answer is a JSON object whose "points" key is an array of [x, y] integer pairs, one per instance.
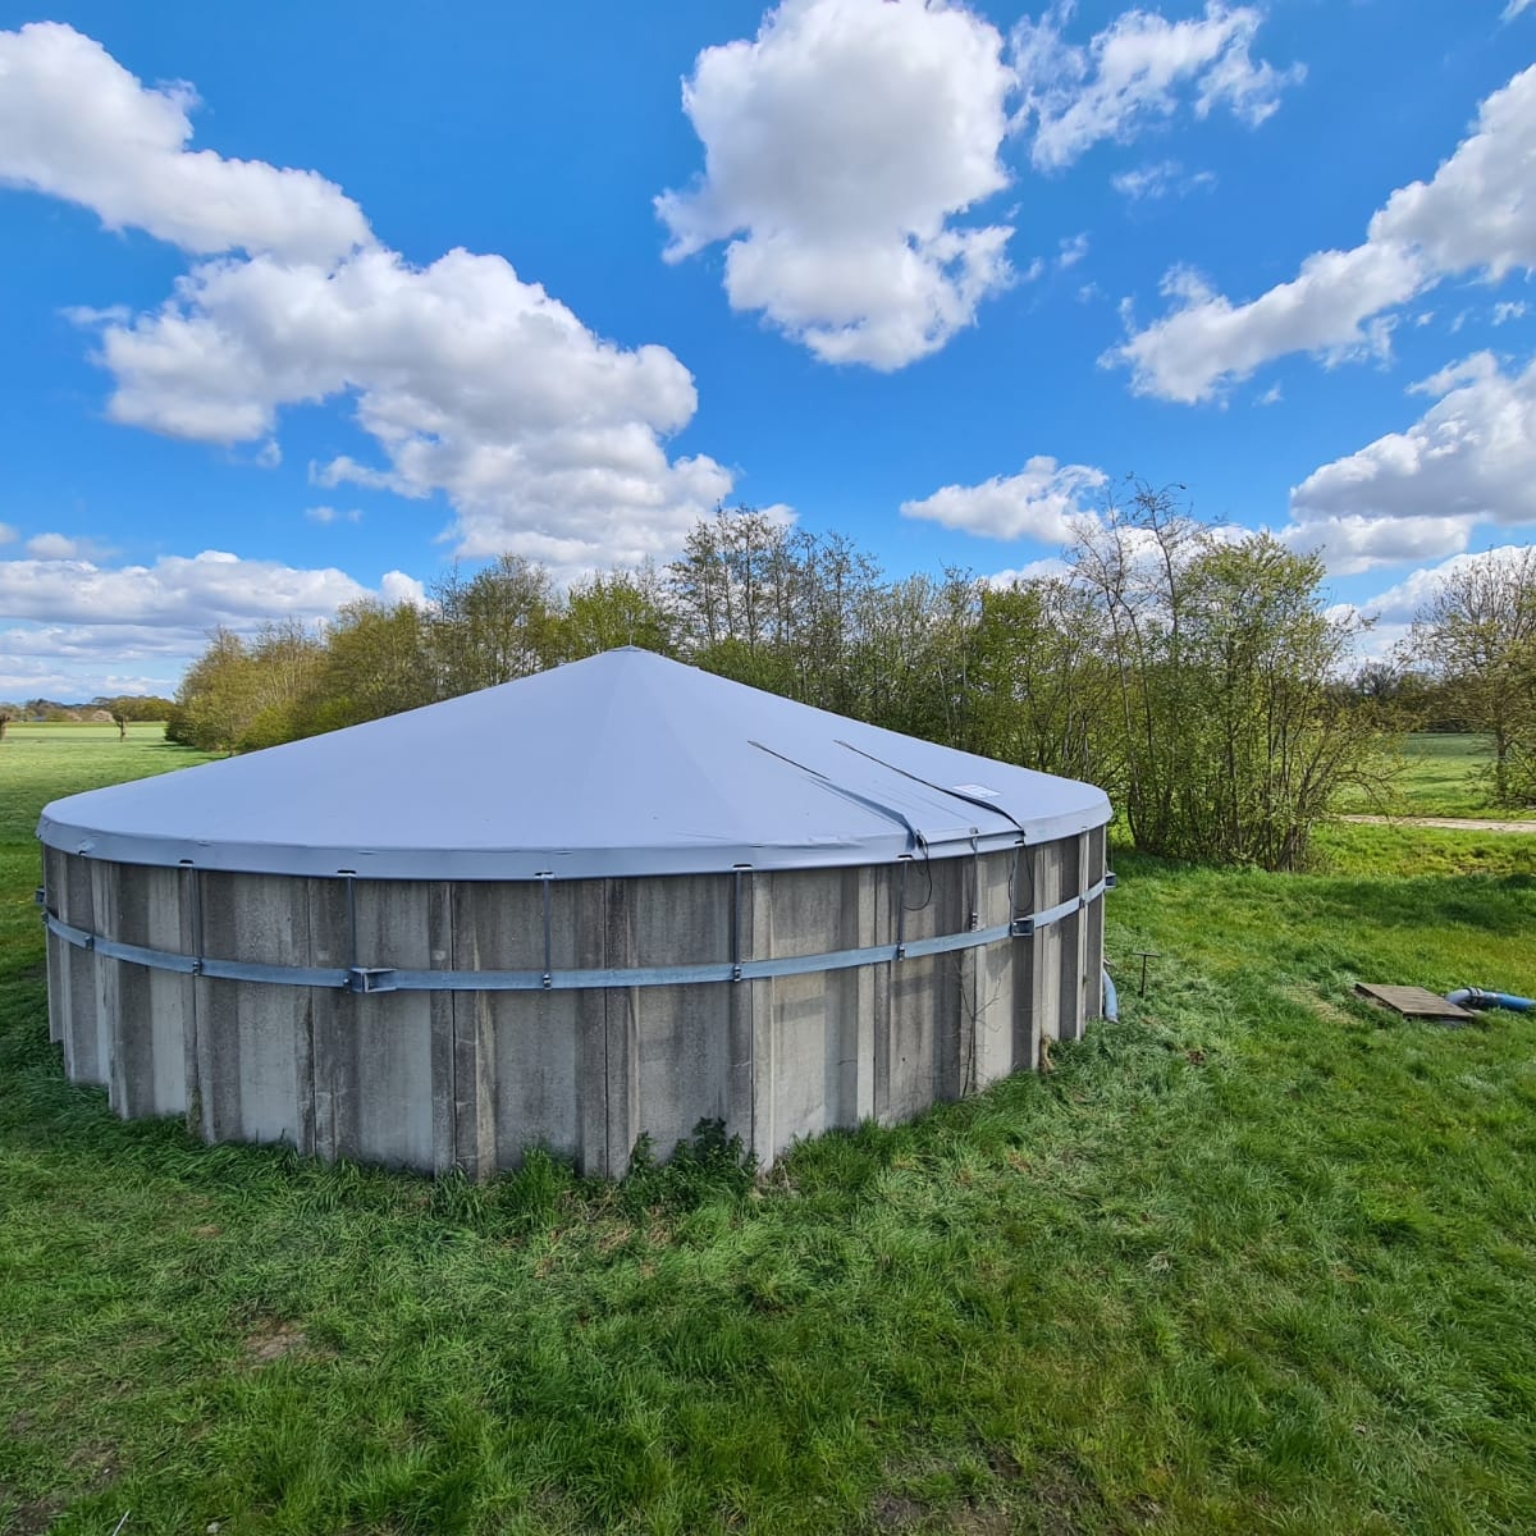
{"points": [[1477, 636], [242, 695], [1193, 677], [1228, 738]]}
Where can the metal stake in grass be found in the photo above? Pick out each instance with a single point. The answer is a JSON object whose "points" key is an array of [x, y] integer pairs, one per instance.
{"points": [[1145, 955]]}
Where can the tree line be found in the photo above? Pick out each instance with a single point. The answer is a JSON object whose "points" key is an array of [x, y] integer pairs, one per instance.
{"points": [[1192, 671]]}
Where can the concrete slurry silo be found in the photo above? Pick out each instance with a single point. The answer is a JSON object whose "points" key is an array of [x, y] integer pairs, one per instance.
{"points": [[614, 898]]}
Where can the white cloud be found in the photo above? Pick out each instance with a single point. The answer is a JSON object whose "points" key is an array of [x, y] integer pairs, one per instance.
{"points": [[199, 592], [1072, 251], [1207, 341], [397, 587], [101, 644], [8, 535], [1137, 72], [76, 622], [1271, 396], [1470, 460], [547, 440], [1475, 215], [75, 124], [1039, 503], [1472, 454], [59, 546], [1357, 542], [1159, 179], [1513, 309], [331, 515], [839, 144], [1514, 8], [1035, 570], [1397, 605]]}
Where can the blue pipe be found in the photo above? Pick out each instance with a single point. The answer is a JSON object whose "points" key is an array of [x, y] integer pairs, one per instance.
{"points": [[1111, 999], [1475, 997]]}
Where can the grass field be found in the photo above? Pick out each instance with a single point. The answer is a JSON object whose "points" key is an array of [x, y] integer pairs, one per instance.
{"points": [[1442, 775], [1257, 1258]]}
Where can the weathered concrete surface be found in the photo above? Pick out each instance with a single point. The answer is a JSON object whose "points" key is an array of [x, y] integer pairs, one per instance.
{"points": [[438, 1079]]}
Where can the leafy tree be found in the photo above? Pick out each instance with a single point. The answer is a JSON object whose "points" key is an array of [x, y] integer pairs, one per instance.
{"points": [[1041, 692], [622, 608], [377, 661], [1477, 638], [501, 624], [1231, 738]]}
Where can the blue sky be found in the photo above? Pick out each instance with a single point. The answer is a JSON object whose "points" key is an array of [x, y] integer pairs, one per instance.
{"points": [[307, 302]]}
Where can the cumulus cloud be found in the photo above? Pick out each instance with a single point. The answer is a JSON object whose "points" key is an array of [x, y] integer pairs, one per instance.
{"points": [[1470, 460], [75, 621], [1393, 610], [8, 535], [1035, 570], [1138, 71], [1356, 542], [200, 591], [1513, 309], [1475, 215], [840, 143], [1473, 453], [1038, 503], [60, 546], [547, 440], [76, 125]]}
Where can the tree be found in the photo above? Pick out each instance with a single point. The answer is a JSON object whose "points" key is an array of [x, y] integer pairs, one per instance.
{"points": [[1041, 693], [1477, 637], [622, 608], [1230, 735], [377, 661], [501, 624]]}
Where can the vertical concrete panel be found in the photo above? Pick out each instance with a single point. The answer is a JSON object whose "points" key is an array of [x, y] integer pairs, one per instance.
{"points": [[1073, 852], [1049, 890], [391, 1032], [996, 969], [924, 1034], [253, 1039], [683, 1032], [516, 1053], [1093, 931], [863, 896], [809, 1045], [84, 1059], [621, 1030], [592, 1034], [149, 1049], [108, 1004], [58, 950], [750, 1002], [333, 1120]]}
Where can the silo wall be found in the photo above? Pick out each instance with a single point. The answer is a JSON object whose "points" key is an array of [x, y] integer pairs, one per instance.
{"points": [[440, 1078]]}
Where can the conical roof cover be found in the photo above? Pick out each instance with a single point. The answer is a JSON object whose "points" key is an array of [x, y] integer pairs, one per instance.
{"points": [[623, 764]]}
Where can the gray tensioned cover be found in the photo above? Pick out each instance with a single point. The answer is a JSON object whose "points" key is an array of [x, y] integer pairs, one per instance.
{"points": [[622, 764]]}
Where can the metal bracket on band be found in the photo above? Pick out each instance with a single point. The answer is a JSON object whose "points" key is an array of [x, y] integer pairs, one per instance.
{"points": [[368, 980], [1024, 927]]}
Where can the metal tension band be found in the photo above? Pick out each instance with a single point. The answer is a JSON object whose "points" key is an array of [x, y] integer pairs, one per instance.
{"points": [[371, 979]]}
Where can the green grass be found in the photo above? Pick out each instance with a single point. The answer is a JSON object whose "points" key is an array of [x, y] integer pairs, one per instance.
{"points": [[1444, 775], [1258, 1258]]}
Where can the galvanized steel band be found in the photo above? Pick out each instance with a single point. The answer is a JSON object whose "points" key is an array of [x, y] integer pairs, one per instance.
{"points": [[376, 979]]}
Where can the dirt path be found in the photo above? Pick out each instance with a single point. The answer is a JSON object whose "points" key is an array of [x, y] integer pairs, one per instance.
{"points": [[1447, 823]]}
